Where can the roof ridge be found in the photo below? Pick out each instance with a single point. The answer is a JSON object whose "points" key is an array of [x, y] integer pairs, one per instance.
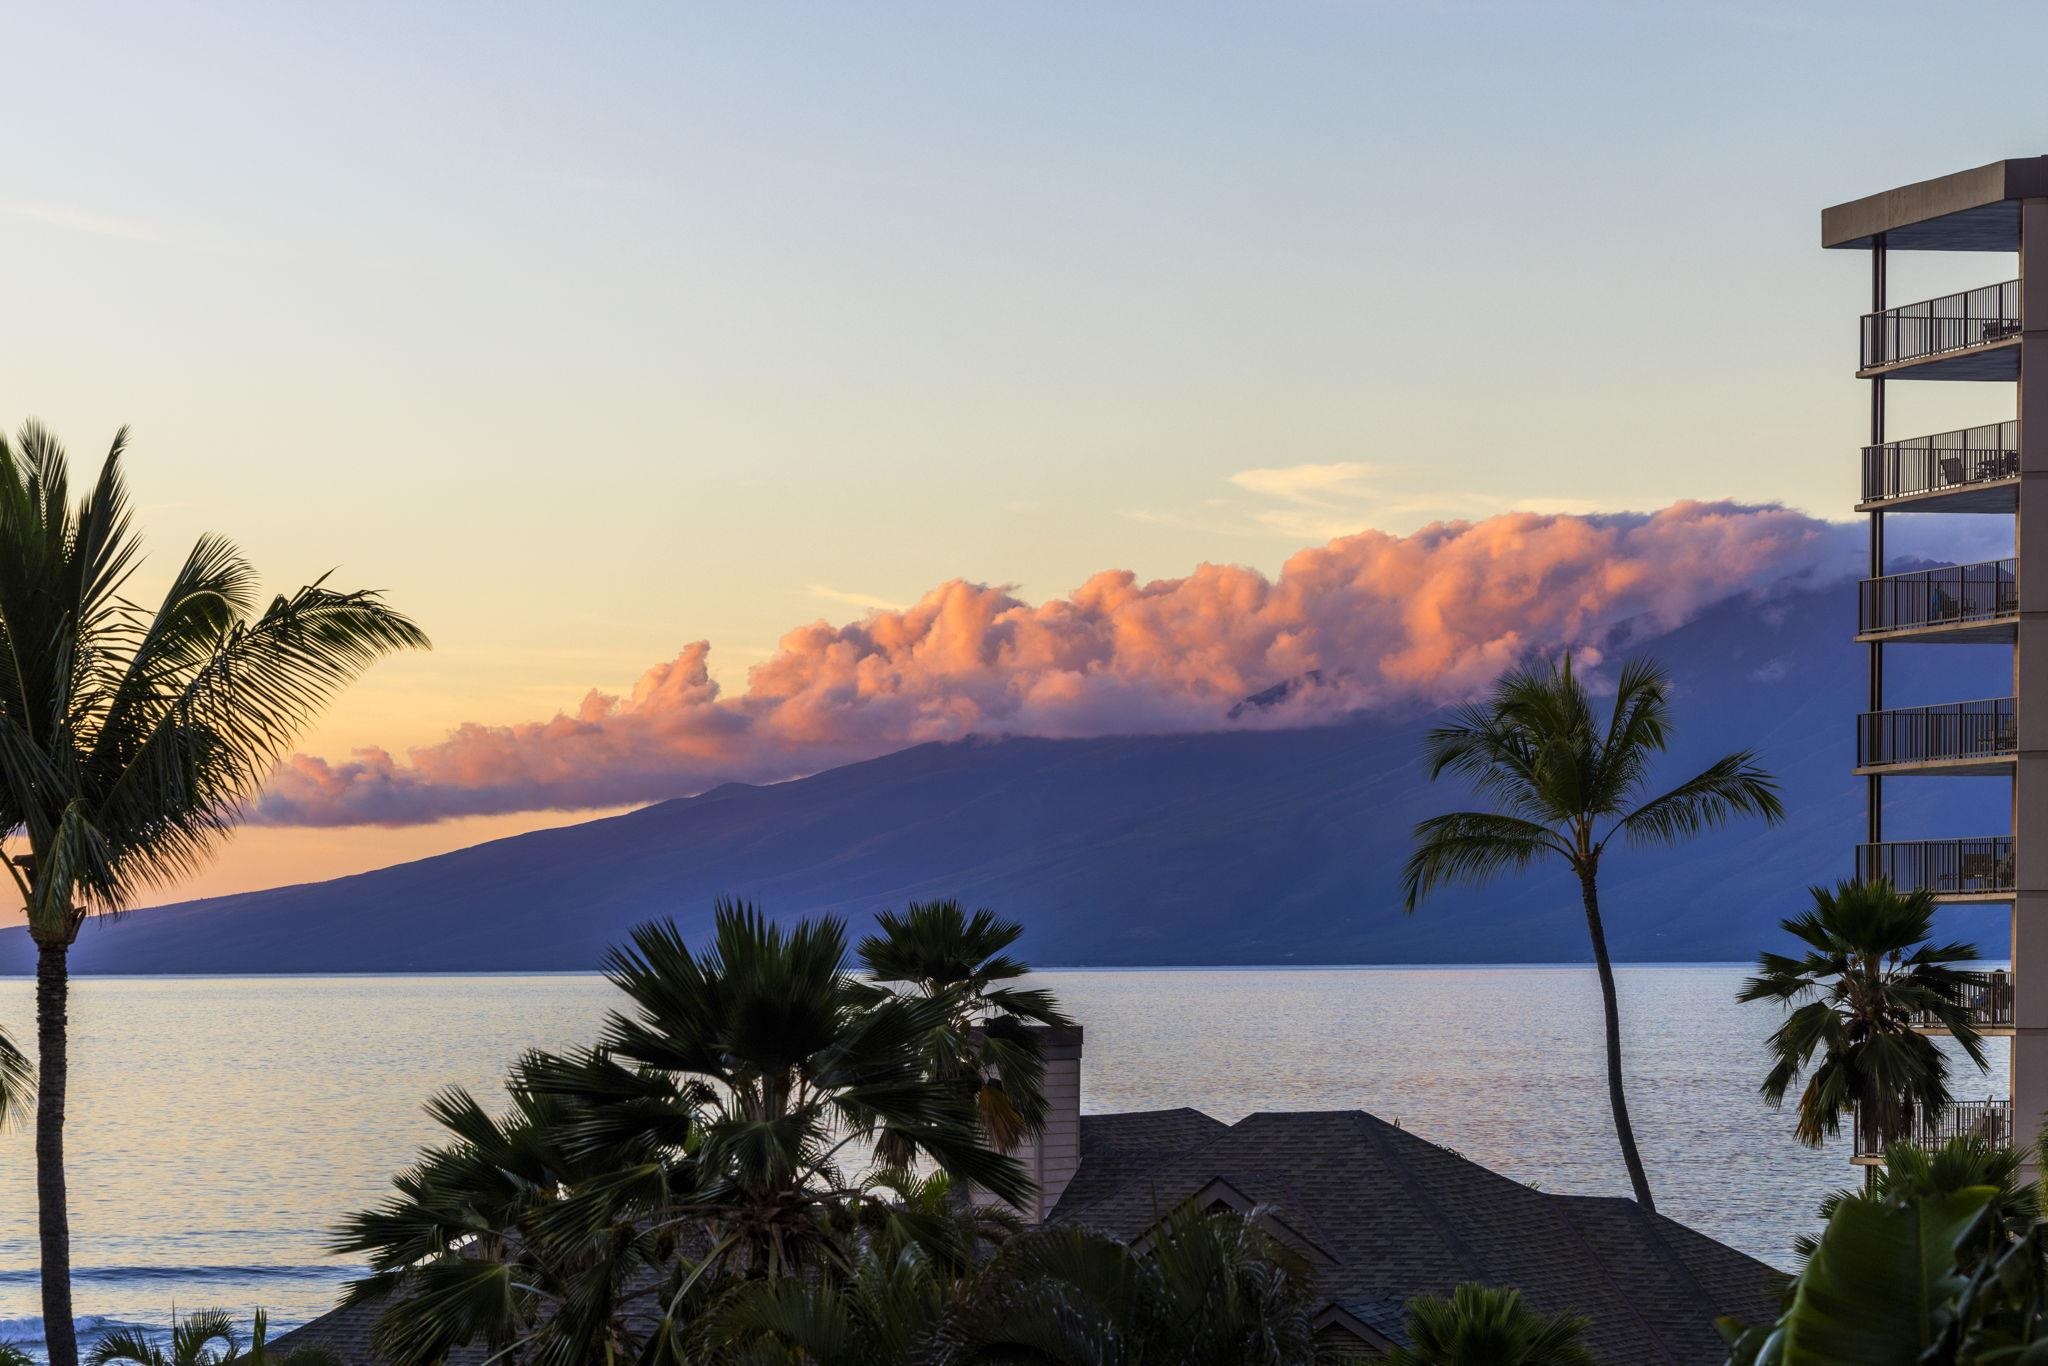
{"points": [[1425, 1198]]}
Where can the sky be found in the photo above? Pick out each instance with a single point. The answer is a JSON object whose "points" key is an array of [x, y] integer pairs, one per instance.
{"points": [[735, 385]]}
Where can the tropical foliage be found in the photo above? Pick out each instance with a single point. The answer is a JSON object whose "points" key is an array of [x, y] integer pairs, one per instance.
{"points": [[1207, 1289], [206, 1337], [937, 951], [131, 737], [1918, 1270], [1868, 972], [690, 1188], [1565, 783], [1488, 1326], [17, 1084]]}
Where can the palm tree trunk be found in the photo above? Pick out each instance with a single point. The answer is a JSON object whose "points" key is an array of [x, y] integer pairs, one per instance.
{"points": [[60, 1333], [1623, 1130]]}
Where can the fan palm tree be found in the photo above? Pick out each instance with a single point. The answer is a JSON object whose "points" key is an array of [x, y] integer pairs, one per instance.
{"points": [[1868, 970], [1567, 786], [131, 738], [1486, 1326], [791, 1059], [937, 951], [696, 1144], [479, 1244]]}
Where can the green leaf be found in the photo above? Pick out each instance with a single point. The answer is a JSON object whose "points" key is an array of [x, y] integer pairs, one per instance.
{"points": [[1872, 1292]]}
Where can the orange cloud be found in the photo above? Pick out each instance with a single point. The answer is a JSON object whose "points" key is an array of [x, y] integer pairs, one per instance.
{"points": [[1375, 619]]}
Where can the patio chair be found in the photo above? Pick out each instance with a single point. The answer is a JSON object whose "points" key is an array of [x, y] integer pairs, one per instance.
{"points": [[1952, 470], [1979, 872]]}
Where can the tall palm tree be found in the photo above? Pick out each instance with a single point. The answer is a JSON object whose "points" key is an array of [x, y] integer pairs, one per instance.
{"points": [[131, 738], [1567, 786], [1868, 970], [1488, 1326], [937, 951]]}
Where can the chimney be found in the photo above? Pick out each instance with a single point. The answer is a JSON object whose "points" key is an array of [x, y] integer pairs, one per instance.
{"points": [[1050, 1158]]}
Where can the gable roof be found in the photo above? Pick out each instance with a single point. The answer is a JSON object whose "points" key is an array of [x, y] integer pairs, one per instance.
{"points": [[1399, 1216]]}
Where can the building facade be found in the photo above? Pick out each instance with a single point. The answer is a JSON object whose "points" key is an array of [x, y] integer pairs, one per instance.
{"points": [[1993, 337]]}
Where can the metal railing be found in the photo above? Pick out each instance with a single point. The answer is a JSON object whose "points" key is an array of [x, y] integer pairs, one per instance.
{"points": [[1964, 867], [1950, 460], [1953, 731], [1986, 999], [1954, 322], [1990, 1120], [1953, 593]]}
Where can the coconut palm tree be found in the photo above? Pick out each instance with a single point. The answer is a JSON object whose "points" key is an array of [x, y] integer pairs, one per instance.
{"points": [[1487, 1326], [131, 738], [937, 951], [1566, 785], [1868, 970]]}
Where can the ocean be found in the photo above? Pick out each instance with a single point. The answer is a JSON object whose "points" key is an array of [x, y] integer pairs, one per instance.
{"points": [[220, 1126]]}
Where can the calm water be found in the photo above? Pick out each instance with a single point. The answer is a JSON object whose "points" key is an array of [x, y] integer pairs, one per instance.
{"points": [[219, 1126]]}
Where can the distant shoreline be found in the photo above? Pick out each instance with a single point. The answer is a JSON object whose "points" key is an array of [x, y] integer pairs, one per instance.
{"points": [[1041, 967]]}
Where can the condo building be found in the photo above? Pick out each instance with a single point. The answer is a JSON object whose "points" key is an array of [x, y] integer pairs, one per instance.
{"points": [[1994, 338]]}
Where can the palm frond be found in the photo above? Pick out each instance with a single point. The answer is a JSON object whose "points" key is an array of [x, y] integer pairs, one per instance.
{"points": [[1730, 787], [1472, 848]]}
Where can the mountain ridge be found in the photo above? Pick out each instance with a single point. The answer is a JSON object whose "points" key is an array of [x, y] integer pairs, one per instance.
{"points": [[1252, 845]]}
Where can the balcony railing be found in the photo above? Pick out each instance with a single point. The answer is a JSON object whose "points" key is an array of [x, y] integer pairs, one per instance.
{"points": [[1990, 1120], [1956, 732], [1954, 322], [1986, 999], [1951, 595], [1951, 460], [1965, 867]]}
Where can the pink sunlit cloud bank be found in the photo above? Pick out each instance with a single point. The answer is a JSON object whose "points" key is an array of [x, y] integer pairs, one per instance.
{"points": [[1381, 620]]}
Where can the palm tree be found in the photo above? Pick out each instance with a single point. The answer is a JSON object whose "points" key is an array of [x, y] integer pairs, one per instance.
{"points": [[698, 1143], [131, 739], [1867, 972], [1566, 786], [937, 951], [474, 1244], [1486, 1326]]}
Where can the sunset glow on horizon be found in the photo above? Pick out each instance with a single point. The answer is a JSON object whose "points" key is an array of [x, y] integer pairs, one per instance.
{"points": [[736, 393]]}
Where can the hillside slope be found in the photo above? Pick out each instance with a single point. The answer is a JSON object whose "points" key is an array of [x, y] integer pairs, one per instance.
{"points": [[1240, 847]]}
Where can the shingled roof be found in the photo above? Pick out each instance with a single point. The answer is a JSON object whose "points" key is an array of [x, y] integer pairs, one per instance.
{"points": [[1383, 1215], [1386, 1215]]}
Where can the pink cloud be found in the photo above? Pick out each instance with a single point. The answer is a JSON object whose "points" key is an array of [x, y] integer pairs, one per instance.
{"points": [[1382, 620]]}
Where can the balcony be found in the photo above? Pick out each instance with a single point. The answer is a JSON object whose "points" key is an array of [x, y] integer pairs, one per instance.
{"points": [[1955, 737], [1990, 1120], [1987, 999], [1976, 469], [1977, 869], [1972, 335], [1965, 603]]}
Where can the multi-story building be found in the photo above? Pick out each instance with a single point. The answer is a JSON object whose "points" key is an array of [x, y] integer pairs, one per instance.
{"points": [[1994, 336]]}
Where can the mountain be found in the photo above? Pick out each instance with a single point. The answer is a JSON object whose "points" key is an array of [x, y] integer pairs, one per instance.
{"points": [[1248, 846]]}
